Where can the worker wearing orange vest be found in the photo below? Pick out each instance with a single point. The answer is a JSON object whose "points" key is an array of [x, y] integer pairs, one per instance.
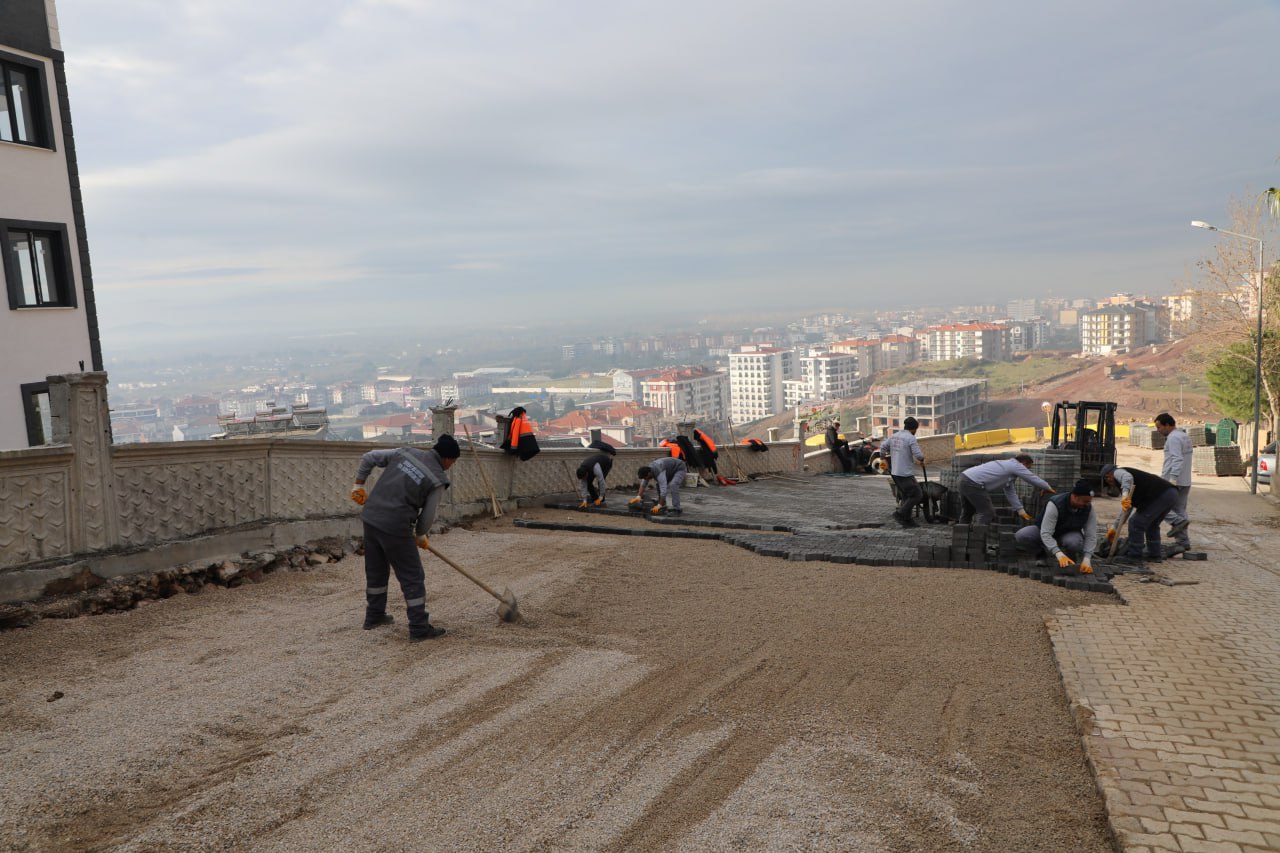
{"points": [[520, 439]]}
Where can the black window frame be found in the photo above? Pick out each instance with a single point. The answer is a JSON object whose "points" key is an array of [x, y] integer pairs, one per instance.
{"points": [[62, 267], [41, 116], [35, 427]]}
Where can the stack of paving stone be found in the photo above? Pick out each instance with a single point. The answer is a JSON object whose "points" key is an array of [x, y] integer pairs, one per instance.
{"points": [[950, 477], [1058, 468], [1141, 435], [1217, 461], [1198, 435]]}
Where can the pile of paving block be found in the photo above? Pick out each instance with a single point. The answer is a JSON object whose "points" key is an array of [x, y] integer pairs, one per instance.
{"points": [[1199, 435], [1217, 461], [1142, 435], [994, 548]]}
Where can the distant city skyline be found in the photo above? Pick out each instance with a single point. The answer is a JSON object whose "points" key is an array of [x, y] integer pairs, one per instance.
{"points": [[310, 168]]}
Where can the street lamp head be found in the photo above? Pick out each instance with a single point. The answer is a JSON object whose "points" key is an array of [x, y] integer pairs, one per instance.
{"points": [[1198, 224]]}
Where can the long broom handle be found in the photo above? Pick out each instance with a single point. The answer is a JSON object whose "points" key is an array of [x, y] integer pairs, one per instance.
{"points": [[466, 574], [497, 511], [736, 451], [1113, 545]]}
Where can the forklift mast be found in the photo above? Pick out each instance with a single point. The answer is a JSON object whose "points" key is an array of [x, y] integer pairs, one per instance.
{"points": [[1090, 428]]}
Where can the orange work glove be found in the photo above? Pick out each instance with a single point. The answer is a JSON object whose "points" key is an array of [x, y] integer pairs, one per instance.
{"points": [[599, 502], [1086, 568], [1064, 561], [1111, 534], [656, 509], [582, 505], [358, 494], [633, 502], [422, 541], [1126, 503], [1025, 515]]}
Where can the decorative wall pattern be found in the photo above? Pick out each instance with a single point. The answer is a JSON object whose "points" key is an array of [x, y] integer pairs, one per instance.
{"points": [[172, 500], [34, 507]]}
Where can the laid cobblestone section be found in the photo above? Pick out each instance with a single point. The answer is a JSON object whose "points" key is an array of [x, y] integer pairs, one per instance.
{"points": [[832, 518], [1178, 699]]}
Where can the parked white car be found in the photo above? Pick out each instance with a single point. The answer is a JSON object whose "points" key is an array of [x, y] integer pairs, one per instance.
{"points": [[1267, 463]]}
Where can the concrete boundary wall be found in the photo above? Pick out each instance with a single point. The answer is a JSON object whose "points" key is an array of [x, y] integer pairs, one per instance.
{"points": [[85, 504]]}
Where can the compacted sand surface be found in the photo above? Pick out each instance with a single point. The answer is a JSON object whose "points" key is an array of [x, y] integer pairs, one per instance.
{"points": [[657, 695]]}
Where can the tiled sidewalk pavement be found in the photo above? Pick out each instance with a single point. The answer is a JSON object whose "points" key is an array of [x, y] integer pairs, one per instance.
{"points": [[1178, 694]]}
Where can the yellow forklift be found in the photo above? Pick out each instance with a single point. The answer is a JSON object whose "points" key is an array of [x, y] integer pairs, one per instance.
{"points": [[1090, 428]]}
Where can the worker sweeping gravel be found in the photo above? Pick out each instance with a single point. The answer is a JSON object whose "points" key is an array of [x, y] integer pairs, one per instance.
{"points": [[397, 515]]}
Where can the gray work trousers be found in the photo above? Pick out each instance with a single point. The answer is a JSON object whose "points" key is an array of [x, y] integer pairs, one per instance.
{"points": [[1144, 525], [1028, 539], [976, 503], [1179, 513], [911, 494], [384, 552]]}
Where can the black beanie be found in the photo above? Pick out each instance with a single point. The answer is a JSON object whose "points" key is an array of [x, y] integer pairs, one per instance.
{"points": [[447, 447], [1082, 488]]}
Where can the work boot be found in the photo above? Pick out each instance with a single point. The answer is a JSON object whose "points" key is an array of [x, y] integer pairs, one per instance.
{"points": [[371, 622], [428, 633], [907, 521], [675, 512], [1175, 529], [1174, 549]]}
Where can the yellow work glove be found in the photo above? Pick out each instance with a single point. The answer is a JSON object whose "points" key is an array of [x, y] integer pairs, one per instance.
{"points": [[1126, 503], [1086, 568], [1064, 561], [358, 494], [633, 502], [656, 509], [599, 501], [582, 505], [1025, 515], [1111, 534], [421, 539]]}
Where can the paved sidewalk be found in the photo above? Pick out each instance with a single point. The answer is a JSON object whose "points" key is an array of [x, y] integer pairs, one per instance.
{"points": [[1177, 695]]}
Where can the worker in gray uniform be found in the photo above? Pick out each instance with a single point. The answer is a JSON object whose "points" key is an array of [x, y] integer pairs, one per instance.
{"points": [[979, 482], [904, 452], [1067, 528], [591, 477], [669, 473], [397, 515], [1177, 470]]}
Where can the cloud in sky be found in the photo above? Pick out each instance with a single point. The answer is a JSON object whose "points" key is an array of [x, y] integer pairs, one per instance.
{"points": [[321, 164]]}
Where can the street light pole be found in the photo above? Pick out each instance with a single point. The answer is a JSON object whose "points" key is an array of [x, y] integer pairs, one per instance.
{"points": [[1257, 368]]}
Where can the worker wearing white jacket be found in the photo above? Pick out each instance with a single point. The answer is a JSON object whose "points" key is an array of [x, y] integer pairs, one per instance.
{"points": [[1177, 470]]}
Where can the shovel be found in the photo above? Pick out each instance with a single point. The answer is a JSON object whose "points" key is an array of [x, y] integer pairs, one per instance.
{"points": [[1120, 523], [508, 610]]}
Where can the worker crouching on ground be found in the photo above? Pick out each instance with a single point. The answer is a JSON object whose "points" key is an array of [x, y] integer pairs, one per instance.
{"points": [[1067, 528], [1148, 499], [669, 473], [979, 482], [904, 451], [397, 515], [591, 476]]}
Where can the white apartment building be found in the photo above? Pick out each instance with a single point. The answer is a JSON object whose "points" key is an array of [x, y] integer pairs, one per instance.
{"points": [[628, 384], [51, 325], [866, 351], [756, 376], [963, 340], [699, 392], [825, 376], [1027, 335], [1118, 328]]}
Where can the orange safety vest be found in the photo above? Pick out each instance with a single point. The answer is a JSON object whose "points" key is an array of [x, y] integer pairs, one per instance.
{"points": [[519, 426], [675, 448], [705, 439]]}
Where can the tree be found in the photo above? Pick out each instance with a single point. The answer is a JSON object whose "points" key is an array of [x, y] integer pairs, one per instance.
{"points": [[1231, 376], [1228, 304]]}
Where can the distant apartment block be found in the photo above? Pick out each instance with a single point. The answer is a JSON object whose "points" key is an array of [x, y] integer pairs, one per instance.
{"points": [[1027, 335], [897, 351], [865, 352], [1118, 328], [963, 340], [756, 376], [462, 388], [826, 376], [695, 391], [940, 405], [629, 384], [51, 325], [1023, 309]]}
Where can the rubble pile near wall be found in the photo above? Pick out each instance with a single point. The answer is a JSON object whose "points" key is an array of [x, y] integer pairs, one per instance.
{"points": [[87, 594]]}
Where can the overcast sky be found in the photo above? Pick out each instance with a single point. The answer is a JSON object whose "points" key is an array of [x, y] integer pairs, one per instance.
{"points": [[287, 164]]}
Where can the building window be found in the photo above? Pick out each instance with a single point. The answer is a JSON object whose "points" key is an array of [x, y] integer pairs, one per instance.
{"points": [[35, 404], [36, 265], [24, 117]]}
